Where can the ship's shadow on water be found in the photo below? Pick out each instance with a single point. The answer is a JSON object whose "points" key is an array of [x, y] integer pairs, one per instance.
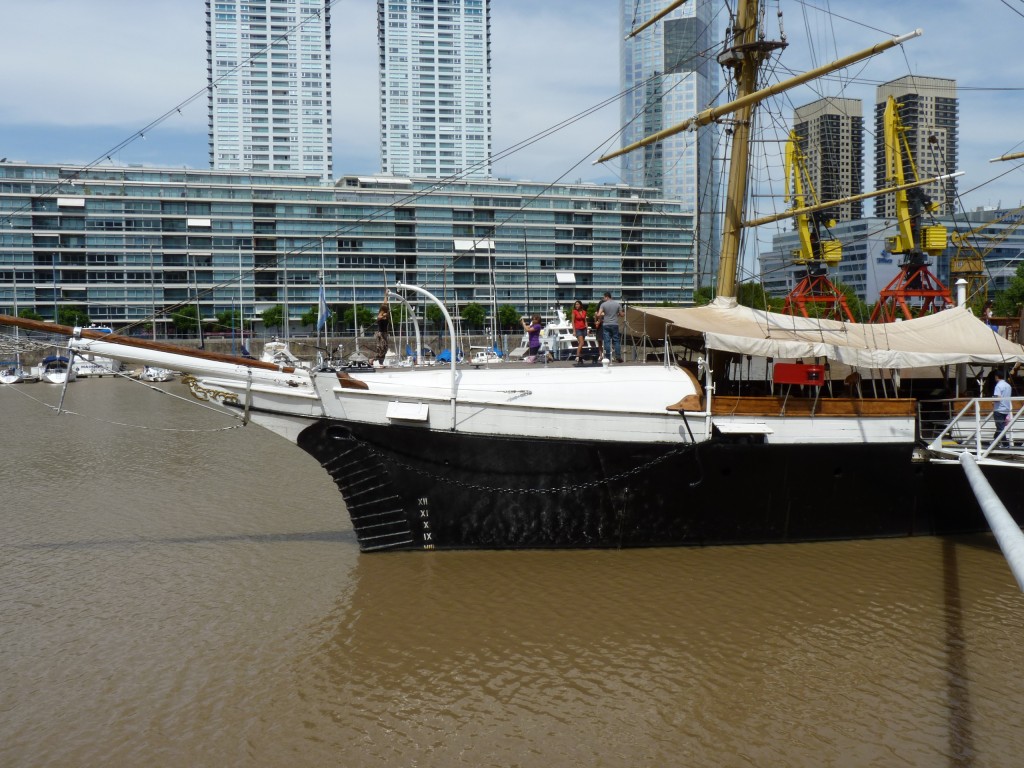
{"points": [[785, 654], [328, 537], [961, 725]]}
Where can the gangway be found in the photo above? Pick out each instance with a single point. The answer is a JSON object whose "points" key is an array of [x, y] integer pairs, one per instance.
{"points": [[972, 430]]}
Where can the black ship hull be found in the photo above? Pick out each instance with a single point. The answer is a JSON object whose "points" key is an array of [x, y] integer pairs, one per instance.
{"points": [[410, 488]]}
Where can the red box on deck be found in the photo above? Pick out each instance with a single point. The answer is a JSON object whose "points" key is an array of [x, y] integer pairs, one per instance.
{"points": [[799, 373]]}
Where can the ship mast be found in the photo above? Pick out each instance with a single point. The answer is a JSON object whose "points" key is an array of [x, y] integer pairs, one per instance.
{"points": [[747, 52], [745, 55]]}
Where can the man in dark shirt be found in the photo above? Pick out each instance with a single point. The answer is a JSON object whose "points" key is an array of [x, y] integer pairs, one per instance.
{"points": [[611, 311]]}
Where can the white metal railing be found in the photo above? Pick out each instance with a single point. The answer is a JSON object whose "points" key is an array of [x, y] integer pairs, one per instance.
{"points": [[972, 428]]}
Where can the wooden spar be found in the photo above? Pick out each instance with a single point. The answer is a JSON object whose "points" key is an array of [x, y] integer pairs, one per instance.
{"points": [[128, 341], [655, 18], [346, 381], [1011, 156], [842, 201], [748, 59], [753, 97]]}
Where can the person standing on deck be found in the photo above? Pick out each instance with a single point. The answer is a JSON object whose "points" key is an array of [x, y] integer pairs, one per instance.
{"points": [[383, 331], [612, 312], [579, 327], [988, 315], [533, 329], [1001, 408]]}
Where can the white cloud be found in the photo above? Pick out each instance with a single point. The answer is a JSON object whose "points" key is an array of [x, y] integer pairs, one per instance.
{"points": [[122, 63], [101, 62]]}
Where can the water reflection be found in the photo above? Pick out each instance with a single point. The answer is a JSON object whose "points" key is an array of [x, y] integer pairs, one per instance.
{"points": [[631, 657], [198, 598]]}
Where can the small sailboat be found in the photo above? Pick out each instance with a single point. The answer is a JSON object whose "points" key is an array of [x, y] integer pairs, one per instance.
{"points": [[55, 369], [11, 372]]}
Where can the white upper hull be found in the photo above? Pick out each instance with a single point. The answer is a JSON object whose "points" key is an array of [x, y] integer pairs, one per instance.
{"points": [[615, 403]]}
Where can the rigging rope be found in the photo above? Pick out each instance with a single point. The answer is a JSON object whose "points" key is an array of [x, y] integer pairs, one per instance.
{"points": [[20, 389]]}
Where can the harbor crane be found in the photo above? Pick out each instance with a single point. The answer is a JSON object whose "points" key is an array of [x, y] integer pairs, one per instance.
{"points": [[974, 245], [913, 240], [818, 249]]}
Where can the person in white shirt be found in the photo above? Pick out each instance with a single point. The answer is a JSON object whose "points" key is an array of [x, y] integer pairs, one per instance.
{"points": [[1001, 408]]}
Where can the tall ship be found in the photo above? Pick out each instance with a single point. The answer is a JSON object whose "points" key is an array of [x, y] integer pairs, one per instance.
{"points": [[740, 426]]}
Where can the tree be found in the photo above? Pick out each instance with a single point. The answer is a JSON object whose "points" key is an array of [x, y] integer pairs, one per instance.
{"points": [[273, 317], [436, 316], [473, 315], [30, 314], [508, 317], [310, 316], [185, 319], [228, 320], [858, 308], [72, 316], [364, 318], [1008, 303], [398, 312], [752, 294]]}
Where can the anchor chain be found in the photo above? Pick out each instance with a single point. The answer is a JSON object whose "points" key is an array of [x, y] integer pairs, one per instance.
{"points": [[495, 489]]}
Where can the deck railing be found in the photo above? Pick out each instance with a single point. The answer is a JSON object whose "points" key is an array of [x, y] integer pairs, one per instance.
{"points": [[958, 426]]}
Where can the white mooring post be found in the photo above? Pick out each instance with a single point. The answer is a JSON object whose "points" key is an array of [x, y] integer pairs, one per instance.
{"points": [[1005, 528]]}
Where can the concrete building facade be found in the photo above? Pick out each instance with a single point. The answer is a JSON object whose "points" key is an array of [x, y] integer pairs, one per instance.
{"points": [[929, 109], [435, 87], [123, 244], [831, 133], [268, 65]]}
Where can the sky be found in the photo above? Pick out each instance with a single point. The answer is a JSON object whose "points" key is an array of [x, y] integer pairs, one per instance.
{"points": [[83, 76]]}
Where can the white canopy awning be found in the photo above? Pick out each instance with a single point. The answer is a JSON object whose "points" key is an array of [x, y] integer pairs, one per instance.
{"points": [[946, 337]]}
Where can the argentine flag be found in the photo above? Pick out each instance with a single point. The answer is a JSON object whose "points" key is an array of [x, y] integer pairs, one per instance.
{"points": [[323, 313]]}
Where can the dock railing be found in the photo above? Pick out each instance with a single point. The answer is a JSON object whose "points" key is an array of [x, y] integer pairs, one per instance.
{"points": [[954, 427]]}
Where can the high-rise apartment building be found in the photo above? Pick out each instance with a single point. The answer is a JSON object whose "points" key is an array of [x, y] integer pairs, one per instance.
{"points": [[831, 134], [268, 65], [669, 73], [435, 87], [929, 109]]}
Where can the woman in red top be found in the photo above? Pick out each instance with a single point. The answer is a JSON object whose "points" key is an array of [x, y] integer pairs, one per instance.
{"points": [[579, 326]]}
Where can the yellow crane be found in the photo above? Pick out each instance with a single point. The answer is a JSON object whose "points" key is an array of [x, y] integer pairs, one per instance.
{"points": [[914, 240], [818, 249], [969, 260]]}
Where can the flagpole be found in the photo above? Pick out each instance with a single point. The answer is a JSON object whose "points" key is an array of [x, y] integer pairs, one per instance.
{"points": [[241, 296], [322, 311]]}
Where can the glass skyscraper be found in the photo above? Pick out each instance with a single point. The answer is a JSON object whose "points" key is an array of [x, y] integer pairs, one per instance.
{"points": [[669, 73], [435, 87], [268, 66]]}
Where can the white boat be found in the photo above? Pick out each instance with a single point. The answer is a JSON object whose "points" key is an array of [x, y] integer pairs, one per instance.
{"points": [[93, 365], [485, 355], [54, 369], [12, 372], [634, 455], [280, 353], [558, 339], [154, 373]]}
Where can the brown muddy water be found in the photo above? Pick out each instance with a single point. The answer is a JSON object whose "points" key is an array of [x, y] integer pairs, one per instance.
{"points": [[173, 593]]}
